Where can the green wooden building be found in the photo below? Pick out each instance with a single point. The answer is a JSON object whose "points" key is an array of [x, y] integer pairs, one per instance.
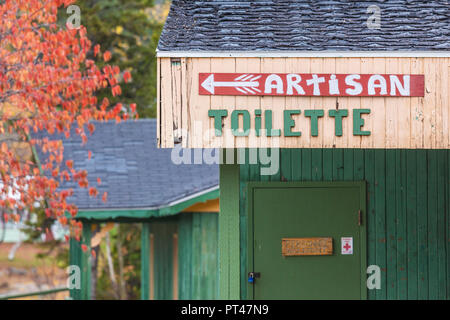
{"points": [[176, 203], [333, 120]]}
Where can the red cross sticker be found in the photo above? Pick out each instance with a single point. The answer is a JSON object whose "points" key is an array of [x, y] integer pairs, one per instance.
{"points": [[347, 245]]}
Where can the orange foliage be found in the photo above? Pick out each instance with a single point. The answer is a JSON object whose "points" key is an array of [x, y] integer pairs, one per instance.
{"points": [[46, 73]]}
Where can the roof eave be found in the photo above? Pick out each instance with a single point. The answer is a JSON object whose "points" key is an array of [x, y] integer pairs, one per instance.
{"points": [[303, 54], [169, 209]]}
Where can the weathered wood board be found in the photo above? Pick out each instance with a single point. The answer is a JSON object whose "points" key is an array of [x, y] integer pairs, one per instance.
{"points": [[385, 122], [306, 246]]}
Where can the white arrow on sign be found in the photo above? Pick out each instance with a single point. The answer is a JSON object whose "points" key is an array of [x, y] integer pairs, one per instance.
{"points": [[245, 83]]}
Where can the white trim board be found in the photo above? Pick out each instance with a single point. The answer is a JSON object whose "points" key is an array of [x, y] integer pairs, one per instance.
{"points": [[303, 54]]}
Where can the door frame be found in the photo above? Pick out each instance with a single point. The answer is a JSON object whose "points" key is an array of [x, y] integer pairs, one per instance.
{"points": [[361, 185]]}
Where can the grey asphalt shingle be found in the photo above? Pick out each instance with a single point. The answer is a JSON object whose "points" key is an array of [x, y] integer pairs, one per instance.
{"points": [[316, 25], [134, 172]]}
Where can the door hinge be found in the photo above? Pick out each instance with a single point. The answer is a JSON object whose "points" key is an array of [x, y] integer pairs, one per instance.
{"points": [[359, 218]]}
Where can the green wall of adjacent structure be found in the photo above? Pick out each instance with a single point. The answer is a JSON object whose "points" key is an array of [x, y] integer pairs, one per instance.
{"points": [[408, 201], [198, 256], [163, 258], [229, 240], [198, 265], [81, 259], [198, 270]]}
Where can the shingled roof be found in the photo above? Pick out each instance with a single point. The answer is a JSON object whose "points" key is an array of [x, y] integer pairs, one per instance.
{"points": [[307, 25], [134, 172]]}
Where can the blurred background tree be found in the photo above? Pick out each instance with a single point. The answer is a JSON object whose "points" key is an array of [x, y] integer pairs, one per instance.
{"points": [[118, 264], [130, 30]]}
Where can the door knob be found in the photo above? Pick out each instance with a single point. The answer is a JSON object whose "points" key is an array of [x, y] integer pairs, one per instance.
{"points": [[252, 276]]}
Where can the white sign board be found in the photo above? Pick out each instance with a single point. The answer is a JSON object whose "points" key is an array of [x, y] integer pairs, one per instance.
{"points": [[347, 245]]}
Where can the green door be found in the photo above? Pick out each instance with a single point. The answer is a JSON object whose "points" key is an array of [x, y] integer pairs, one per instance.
{"points": [[307, 210]]}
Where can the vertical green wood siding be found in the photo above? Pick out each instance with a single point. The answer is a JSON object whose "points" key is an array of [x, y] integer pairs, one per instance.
{"points": [[75, 256], [198, 272], [82, 259], [145, 262], [408, 200], [163, 258], [198, 276], [229, 222]]}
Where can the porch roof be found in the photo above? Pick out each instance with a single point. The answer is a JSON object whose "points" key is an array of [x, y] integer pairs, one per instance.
{"points": [[141, 180]]}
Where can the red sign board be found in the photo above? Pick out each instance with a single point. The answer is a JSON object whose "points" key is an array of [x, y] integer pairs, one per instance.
{"points": [[294, 84]]}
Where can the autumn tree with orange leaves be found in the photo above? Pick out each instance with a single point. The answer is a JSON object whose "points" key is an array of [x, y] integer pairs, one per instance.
{"points": [[48, 83]]}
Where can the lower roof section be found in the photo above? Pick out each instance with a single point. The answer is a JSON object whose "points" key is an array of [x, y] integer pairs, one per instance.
{"points": [[133, 171], [170, 210]]}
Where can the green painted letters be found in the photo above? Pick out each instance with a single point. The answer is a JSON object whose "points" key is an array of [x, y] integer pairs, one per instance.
{"points": [[358, 122], [235, 123], [314, 115], [258, 122], [218, 115], [338, 115], [289, 123], [269, 131], [288, 120]]}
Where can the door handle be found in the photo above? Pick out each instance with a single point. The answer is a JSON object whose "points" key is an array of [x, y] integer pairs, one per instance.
{"points": [[252, 276]]}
